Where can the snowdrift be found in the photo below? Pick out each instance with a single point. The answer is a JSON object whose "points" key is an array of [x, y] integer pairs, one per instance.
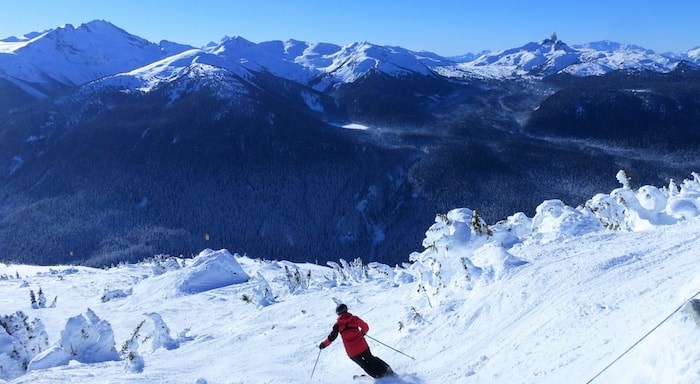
{"points": [[208, 270]]}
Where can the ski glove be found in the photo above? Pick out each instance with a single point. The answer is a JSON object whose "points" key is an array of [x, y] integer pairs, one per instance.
{"points": [[321, 346]]}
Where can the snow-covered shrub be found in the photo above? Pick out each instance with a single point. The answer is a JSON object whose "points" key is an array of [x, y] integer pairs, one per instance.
{"points": [[152, 334], [262, 293], [86, 339], [684, 203], [349, 273], [448, 243], [553, 219], [20, 342], [413, 317], [296, 281], [164, 263], [38, 300], [624, 179], [115, 294], [461, 250], [155, 334], [629, 210]]}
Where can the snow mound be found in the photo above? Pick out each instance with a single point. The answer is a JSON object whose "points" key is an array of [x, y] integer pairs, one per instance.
{"points": [[208, 270], [211, 270], [553, 220]]}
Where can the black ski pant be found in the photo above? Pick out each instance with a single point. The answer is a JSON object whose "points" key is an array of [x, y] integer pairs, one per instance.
{"points": [[373, 365]]}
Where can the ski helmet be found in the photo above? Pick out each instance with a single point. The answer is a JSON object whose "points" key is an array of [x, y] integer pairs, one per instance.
{"points": [[342, 308]]}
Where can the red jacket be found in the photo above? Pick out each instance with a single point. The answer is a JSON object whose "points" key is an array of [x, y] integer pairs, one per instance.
{"points": [[352, 330]]}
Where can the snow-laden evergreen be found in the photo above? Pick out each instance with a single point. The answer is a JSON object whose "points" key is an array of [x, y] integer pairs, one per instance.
{"points": [[600, 292]]}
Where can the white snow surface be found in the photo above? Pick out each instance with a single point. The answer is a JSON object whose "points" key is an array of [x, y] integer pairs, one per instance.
{"points": [[553, 298]]}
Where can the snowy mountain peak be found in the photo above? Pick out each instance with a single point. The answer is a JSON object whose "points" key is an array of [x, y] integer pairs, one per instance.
{"points": [[553, 42], [694, 54], [74, 56], [546, 57], [233, 42], [355, 60], [612, 46]]}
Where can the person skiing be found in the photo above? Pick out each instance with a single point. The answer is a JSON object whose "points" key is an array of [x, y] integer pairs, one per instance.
{"points": [[352, 330]]}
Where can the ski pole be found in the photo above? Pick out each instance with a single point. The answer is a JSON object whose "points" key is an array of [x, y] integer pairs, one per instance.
{"points": [[314, 370], [390, 347]]}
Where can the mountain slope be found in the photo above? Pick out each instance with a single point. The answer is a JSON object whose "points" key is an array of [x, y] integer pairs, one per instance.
{"points": [[73, 56], [637, 108], [125, 164], [551, 56], [562, 298]]}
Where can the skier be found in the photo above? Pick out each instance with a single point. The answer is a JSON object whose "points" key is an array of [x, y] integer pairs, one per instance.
{"points": [[352, 330]]}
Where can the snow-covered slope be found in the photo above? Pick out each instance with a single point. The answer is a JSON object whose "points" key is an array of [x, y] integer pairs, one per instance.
{"points": [[548, 299], [605, 56], [548, 56], [197, 65], [694, 55], [355, 60], [300, 61], [552, 55], [325, 64], [293, 60]]}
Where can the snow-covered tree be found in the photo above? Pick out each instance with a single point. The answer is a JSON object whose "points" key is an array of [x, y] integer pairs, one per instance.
{"points": [[86, 339], [262, 293], [296, 281], [624, 179], [41, 299], [20, 341], [133, 361]]}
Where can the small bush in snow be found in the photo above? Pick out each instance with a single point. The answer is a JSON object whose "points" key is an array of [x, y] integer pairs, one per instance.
{"points": [[164, 263], [349, 273], [296, 281], [133, 361], [262, 293], [115, 294]]}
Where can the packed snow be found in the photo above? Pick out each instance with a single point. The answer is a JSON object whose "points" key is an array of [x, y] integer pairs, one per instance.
{"points": [[598, 293]]}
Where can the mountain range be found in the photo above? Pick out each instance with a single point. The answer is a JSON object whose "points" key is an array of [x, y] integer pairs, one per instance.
{"points": [[72, 56], [113, 148]]}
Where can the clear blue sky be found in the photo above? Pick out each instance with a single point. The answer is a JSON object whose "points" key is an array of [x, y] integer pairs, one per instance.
{"points": [[446, 27]]}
